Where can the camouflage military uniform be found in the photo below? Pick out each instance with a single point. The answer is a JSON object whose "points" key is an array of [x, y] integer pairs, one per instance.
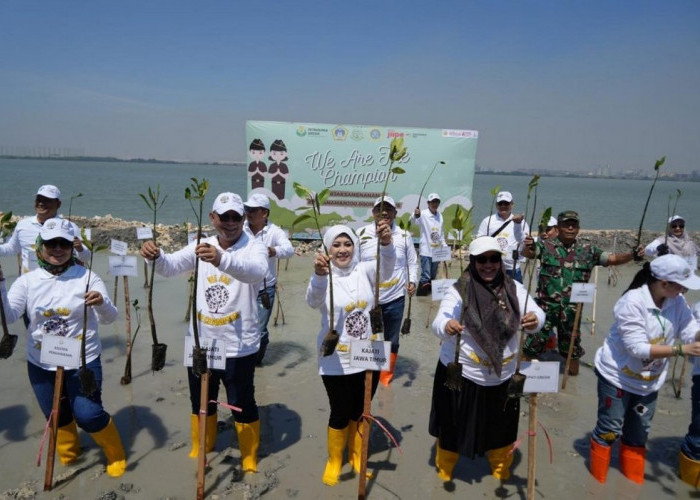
{"points": [[560, 268]]}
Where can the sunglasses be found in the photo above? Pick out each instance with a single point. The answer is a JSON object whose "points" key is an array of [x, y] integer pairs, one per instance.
{"points": [[58, 242], [483, 259], [503, 203], [676, 225], [230, 217]]}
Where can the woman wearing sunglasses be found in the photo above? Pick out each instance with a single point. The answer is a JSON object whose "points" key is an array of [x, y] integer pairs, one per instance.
{"points": [[483, 311], [54, 297], [677, 241]]}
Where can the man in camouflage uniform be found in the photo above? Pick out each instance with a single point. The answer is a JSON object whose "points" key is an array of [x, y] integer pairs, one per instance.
{"points": [[564, 261]]}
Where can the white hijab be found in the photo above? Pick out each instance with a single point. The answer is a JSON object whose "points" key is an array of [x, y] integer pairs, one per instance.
{"points": [[329, 237]]}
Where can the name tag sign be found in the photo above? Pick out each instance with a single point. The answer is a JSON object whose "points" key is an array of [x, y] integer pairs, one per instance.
{"points": [[60, 351], [370, 354], [582, 292], [119, 247], [440, 287], [216, 352], [144, 233], [542, 376], [442, 254], [123, 265]]}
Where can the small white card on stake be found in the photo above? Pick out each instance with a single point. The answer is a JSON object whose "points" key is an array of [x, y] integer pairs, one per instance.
{"points": [[216, 352], [370, 354], [123, 265], [60, 351], [144, 233], [542, 376], [442, 254], [440, 287], [582, 292], [119, 247]]}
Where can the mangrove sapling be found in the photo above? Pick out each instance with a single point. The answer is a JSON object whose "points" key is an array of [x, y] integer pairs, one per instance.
{"points": [[406, 228], [8, 342], [494, 192], [154, 202], [657, 168], [88, 385], [330, 340], [195, 194], [126, 379], [439, 162], [70, 203]]}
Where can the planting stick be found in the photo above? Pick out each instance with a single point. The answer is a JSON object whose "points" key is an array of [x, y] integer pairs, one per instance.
{"points": [[202, 457], [532, 447], [364, 423], [574, 334], [595, 299], [53, 433]]}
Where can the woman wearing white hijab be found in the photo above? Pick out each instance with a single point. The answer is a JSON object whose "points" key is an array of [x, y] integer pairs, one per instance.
{"points": [[353, 297], [676, 242]]}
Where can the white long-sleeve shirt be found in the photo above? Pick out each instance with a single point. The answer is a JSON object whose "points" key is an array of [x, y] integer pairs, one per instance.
{"points": [[23, 240], [353, 297], [624, 358], [476, 365], [227, 294], [509, 239], [652, 248], [55, 305], [431, 233], [405, 268], [271, 235]]}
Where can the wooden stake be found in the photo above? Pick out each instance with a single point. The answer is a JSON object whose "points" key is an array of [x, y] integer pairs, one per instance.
{"points": [[574, 334], [595, 299], [202, 457], [532, 447], [116, 288], [55, 413], [367, 409]]}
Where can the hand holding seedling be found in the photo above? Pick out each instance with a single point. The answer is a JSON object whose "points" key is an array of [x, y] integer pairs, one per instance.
{"points": [[94, 298], [208, 253], [149, 250]]}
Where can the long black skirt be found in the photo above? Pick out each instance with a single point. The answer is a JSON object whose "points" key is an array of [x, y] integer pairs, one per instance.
{"points": [[475, 419]]}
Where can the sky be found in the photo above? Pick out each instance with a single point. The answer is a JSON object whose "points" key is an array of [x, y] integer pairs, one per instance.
{"points": [[567, 85]]}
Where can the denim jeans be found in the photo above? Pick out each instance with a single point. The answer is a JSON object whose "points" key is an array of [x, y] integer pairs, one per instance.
{"points": [[392, 314], [517, 275], [691, 443], [623, 414], [239, 381], [428, 269], [87, 410], [264, 318]]}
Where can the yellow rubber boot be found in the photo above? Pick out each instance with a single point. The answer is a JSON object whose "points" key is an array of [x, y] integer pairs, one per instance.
{"points": [[111, 444], [355, 448], [690, 469], [210, 440], [632, 462], [599, 460], [67, 443], [500, 459], [445, 462], [386, 377], [248, 444], [337, 439]]}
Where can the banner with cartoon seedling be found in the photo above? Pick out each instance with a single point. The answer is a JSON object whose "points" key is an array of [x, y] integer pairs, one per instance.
{"points": [[352, 161]]}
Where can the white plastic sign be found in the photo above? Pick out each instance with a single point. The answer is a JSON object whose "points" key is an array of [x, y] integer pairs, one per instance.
{"points": [[119, 247], [60, 351], [123, 265], [370, 354], [216, 352], [440, 287], [144, 233], [542, 376], [582, 292], [442, 254]]}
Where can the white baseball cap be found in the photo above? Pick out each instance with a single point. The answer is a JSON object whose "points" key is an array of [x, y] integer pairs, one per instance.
{"points": [[433, 197], [49, 191], [228, 201], [258, 200], [674, 268], [504, 196], [388, 200], [676, 217], [552, 222], [57, 228], [484, 244]]}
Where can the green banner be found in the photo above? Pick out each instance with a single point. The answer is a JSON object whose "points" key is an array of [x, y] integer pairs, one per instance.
{"points": [[352, 161]]}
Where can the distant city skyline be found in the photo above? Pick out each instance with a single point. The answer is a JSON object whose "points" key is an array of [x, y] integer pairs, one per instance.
{"points": [[551, 85]]}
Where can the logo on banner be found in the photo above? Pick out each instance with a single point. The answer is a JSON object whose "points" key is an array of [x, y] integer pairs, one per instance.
{"points": [[375, 134], [301, 131], [357, 134], [394, 133], [340, 133], [467, 134]]}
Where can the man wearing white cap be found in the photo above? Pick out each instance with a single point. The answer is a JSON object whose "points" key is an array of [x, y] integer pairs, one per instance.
{"points": [[509, 229], [23, 239], [431, 237], [257, 224], [231, 266], [392, 293]]}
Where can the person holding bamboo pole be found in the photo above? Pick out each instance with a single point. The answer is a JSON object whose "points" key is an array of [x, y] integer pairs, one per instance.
{"points": [[564, 260], [353, 298], [432, 237], [231, 267], [676, 241], [53, 297], [651, 323], [392, 293], [258, 225]]}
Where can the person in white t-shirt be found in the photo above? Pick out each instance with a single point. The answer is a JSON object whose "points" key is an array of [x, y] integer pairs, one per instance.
{"points": [[652, 322], [432, 237]]}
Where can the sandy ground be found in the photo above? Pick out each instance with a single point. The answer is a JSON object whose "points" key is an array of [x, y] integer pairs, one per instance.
{"points": [[152, 414]]}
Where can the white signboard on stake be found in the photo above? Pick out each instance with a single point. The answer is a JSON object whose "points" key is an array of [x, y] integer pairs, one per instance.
{"points": [[123, 265], [144, 233], [60, 351], [442, 254], [216, 352], [542, 376], [440, 287], [582, 292], [370, 354], [119, 247]]}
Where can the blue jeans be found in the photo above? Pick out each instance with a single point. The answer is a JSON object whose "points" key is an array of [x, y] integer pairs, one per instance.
{"points": [[517, 275], [87, 411], [264, 319], [428, 269], [691, 443], [392, 314], [623, 414], [239, 381]]}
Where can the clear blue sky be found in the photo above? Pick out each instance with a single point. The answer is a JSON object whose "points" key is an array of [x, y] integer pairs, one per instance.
{"points": [[548, 84]]}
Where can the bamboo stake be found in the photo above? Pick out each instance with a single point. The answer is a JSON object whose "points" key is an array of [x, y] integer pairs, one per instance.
{"points": [[574, 334], [532, 447], [595, 299], [55, 412], [202, 457], [361, 492]]}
